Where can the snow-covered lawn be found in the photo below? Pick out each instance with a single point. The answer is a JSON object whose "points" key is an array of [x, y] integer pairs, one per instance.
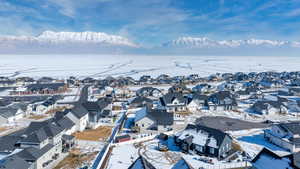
{"points": [[254, 141], [122, 157]]}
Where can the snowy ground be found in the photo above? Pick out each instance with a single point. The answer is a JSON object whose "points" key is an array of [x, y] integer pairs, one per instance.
{"points": [[124, 155], [253, 141], [136, 65]]}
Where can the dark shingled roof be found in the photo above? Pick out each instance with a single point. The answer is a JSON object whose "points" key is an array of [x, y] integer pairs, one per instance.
{"points": [[32, 154], [65, 123], [170, 97], [7, 143], [162, 117], [14, 162], [41, 86], [293, 127], [141, 163], [197, 96], [39, 131], [79, 111], [140, 100], [217, 134]]}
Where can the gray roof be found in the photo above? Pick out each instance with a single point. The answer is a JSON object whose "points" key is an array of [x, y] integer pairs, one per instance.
{"points": [[140, 100], [67, 137], [41, 86], [141, 163], [79, 111], [37, 132], [170, 97], [65, 123], [293, 127], [7, 143], [263, 104], [146, 91], [34, 154], [11, 110], [221, 95], [14, 162], [7, 112], [161, 117], [197, 96]]}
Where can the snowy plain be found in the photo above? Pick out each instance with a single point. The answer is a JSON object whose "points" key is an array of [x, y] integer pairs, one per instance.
{"points": [[100, 66]]}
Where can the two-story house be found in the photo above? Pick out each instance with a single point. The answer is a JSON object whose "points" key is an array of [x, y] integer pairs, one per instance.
{"points": [[202, 140]]}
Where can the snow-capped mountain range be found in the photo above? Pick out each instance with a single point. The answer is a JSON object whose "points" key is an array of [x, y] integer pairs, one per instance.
{"points": [[50, 37], [102, 43], [192, 42]]}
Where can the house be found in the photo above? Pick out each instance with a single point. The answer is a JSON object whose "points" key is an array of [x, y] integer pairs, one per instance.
{"points": [[149, 92], [267, 159], [269, 107], [153, 120], [22, 81], [285, 135], [39, 158], [64, 122], [7, 83], [13, 112], [141, 101], [180, 88], [174, 102], [145, 79], [141, 163], [45, 80], [41, 143], [202, 140], [199, 102], [294, 91], [222, 100], [98, 111], [44, 106], [203, 88], [41, 88], [80, 116], [15, 162]]}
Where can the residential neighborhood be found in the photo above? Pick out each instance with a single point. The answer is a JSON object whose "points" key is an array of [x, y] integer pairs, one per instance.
{"points": [[240, 120]]}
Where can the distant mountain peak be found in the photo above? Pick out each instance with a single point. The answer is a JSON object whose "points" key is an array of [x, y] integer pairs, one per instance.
{"points": [[204, 42]]}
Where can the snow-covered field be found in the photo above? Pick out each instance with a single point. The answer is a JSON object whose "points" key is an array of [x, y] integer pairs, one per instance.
{"points": [[136, 65]]}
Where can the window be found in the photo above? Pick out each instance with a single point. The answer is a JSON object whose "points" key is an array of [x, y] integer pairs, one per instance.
{"points": [[199, 148], [142, 125], [211, 150]]}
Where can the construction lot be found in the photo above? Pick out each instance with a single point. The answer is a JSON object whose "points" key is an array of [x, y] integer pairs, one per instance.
{"points": [[99, 134], [76, 159]]}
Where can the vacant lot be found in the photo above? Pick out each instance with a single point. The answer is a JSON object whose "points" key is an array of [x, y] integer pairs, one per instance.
{"points": [[75, 160], [3, 129], [37, 117], [98, 134]]}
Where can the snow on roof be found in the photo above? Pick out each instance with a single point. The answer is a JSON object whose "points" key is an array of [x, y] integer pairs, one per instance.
{"points": [[199, 137]]}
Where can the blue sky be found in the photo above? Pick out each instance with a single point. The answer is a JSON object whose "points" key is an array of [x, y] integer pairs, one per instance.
{"points": [[152, 22]]}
